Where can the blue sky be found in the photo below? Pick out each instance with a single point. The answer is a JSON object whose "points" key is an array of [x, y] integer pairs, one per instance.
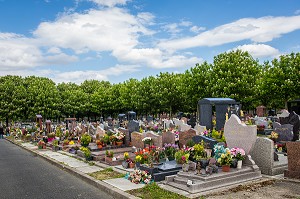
{"points": [[115, 40]]}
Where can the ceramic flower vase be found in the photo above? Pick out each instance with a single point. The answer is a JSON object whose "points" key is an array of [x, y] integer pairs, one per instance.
{"points": [[239, 164]]}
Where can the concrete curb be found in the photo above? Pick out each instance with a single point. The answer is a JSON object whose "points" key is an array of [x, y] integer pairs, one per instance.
{"points": [[111, 190]]}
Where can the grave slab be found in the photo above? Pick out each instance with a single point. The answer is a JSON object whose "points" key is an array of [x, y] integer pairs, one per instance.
{"points": [[123, 184], [89, 169]]}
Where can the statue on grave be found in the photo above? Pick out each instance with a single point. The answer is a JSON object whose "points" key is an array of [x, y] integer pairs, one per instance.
{"points": [[198, 167]]}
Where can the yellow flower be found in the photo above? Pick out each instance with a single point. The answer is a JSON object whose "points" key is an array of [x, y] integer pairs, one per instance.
{"points": [[219, 160], [223, 155]]}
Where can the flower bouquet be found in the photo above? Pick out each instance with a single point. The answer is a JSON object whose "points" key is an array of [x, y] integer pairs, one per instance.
{"points": [[139, 176]]}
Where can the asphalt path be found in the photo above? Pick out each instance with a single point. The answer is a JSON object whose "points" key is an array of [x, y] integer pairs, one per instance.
{"points": [[24, 175]]}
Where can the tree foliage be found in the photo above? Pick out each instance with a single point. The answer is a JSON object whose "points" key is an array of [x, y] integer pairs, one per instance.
{"points": [[232, 74]]}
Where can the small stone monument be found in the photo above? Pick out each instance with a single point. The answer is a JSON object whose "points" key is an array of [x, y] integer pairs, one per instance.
{"points": [[293, 155]]}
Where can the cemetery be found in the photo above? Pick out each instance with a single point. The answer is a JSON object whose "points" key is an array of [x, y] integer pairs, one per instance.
{"points": [[233, 150]]}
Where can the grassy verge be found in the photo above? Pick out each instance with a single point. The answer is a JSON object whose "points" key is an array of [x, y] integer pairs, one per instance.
{"points": [[106, 174], [151, 191]]}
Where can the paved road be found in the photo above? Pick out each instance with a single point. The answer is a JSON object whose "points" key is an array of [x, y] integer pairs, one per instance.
{"points": [[24, 175]]}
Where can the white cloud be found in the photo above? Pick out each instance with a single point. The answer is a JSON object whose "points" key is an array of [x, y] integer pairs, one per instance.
{"points": [[17, 52], [197, 29], [259, 50], [110, 3], [155, 58], [297, 12], [79, 76], [96, 30], [258, 30]]}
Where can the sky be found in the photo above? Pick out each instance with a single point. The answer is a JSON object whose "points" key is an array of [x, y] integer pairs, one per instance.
{"points": [[115, 40]]}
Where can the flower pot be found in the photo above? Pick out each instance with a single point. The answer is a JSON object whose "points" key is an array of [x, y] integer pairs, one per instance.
{"points": [[89, 158], [84, 144], [125, 164], [239, 164], [55, 148], [108, 159], [137, 165], [234, 163], [99, 146], [131, 164], [119, 143], [225, 168], [204, 163], [185, 167]]}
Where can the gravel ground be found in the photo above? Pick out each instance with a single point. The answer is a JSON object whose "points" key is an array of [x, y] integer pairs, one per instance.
{"points": [[274, 189]]}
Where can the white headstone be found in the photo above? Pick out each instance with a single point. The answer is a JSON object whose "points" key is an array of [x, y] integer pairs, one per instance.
{"points": [[199, 129], [238, 134], [284, 113]]}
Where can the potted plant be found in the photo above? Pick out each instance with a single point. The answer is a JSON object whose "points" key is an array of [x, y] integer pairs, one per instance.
{"points": [[125, 163], [119, 137], [87, 153], [239, 155], [131, 163], [41, 144], [85, 140], [55, 146], [170, 150], [28, 137], [108, 156], [138, 160], [185, 160], [273, 136], [147, 141], [106, 139], [225, 160]]}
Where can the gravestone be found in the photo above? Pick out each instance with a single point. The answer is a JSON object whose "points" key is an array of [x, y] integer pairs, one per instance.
{"points": [[48, 126], [100, 131], [184, 119], [168, 137], [285, 132], [136, 140], [283, 114], [156, 139], [110, 121], [261, 121], [185, 127], [260, 111], [293, 155], [263, 154], [184, 137], [295, 121], [167, 123], [238, 134], [200, 129], [132, 126], [178, 122], [276, 125], [149, 118], [209, 142], [127, 135]]}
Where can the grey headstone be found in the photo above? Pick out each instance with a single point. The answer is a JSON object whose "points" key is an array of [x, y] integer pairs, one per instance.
{"points": [[263, 154], [285, 132], [209, 142]]}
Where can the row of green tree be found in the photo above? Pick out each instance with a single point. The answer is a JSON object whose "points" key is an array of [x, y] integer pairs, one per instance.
{"points": [[232, 74]]}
